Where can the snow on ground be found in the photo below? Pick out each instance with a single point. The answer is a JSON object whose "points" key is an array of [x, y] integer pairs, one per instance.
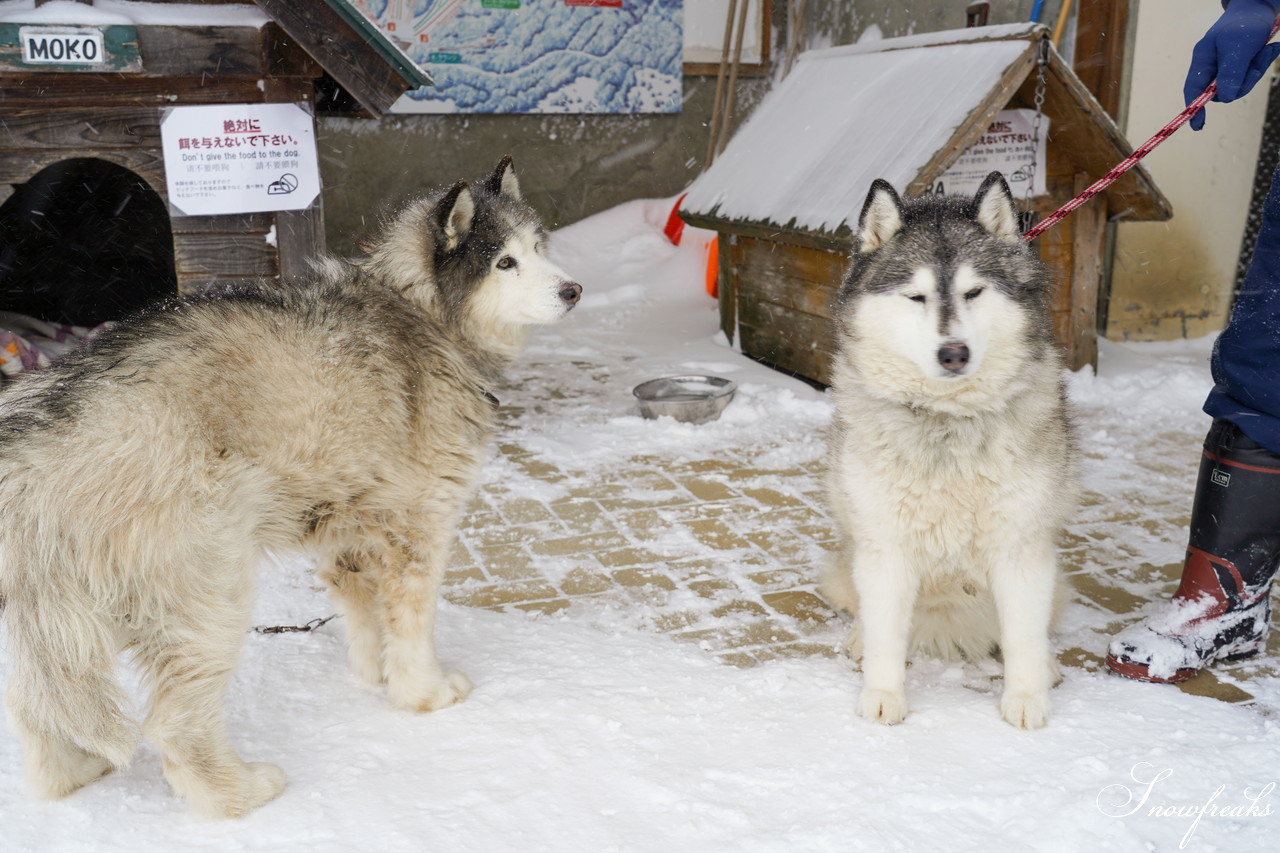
{"points": [[584, 734]]}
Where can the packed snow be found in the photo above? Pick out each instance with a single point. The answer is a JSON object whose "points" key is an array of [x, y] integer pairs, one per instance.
{"points": [[584, 734]]}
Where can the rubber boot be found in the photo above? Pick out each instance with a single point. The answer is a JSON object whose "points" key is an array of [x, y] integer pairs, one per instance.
{"points": [[1222, 609]]}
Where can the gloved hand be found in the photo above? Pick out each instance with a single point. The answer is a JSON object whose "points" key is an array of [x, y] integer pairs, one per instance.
{"points": [[1234, 52]]}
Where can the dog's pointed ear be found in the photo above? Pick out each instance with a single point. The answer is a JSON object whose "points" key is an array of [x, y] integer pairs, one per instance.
{"points": [[503, 181], [454, 214], [881, 217], [994, 210]]}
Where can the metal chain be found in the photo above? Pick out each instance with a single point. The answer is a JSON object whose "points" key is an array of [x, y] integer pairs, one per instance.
{"points": [[1042, 63], [294, 629]]}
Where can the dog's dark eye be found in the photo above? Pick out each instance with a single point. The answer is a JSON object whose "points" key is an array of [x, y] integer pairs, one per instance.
{"points": [[973, 294], [506, 262], [916, 297]]}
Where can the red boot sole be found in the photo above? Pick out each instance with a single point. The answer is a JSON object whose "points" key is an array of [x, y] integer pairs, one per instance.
{"points": [[1139, 672]]}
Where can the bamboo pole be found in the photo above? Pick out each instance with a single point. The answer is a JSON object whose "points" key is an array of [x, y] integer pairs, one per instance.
{"points": [[798, 14], [1059, 27], [732, 95], [720, 80]]}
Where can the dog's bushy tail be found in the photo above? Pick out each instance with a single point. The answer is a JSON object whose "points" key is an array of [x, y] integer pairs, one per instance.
{"points": [[954, 625], [63, 645], [62, 685], [945, 624]]}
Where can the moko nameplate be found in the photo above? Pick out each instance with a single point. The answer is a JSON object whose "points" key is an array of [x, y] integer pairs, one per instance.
{"points": [[41, 47]]}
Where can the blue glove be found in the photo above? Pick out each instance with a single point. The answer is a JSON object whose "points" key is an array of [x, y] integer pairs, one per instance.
{"points": [[1234, 52]]}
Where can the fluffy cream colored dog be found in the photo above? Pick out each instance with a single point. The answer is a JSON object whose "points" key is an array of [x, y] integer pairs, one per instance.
{"points": [[142, 478]]}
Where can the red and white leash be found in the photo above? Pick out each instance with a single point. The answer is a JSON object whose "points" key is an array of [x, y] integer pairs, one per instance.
{"points": [[1129, 162]]}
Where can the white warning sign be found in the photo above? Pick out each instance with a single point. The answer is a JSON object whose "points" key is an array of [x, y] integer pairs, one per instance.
{"points": [[239, 158], [1010, 145]]}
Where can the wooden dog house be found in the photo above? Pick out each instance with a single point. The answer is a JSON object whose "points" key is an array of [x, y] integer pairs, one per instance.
{"points": [[90, 130], [786, 194]]}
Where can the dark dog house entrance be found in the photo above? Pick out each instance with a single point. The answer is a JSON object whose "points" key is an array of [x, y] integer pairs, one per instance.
{"points": [[84, 241]]}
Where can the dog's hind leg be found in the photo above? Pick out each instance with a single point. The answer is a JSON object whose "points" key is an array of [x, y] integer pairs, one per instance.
{"points": [[353, 583], [188, 660], [835, 584], [407, 589]]}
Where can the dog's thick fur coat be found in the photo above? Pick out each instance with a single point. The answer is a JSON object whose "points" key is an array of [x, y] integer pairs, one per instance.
{"points": [[142, 478], [952, 464]]}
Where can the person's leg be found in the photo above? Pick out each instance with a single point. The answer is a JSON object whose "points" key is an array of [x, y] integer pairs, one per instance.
{"points": [[1246, 356], [1222, 607]]}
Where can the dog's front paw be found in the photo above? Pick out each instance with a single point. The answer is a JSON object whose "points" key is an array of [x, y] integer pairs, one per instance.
{"points": [[882, 706], [449, 688], [1025, 710]]}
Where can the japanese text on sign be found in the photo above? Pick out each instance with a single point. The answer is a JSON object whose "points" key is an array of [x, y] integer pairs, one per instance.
{"points": [[244, 158], [1012, 144]]}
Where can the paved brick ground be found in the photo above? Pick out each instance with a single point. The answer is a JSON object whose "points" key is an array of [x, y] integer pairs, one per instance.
{"points": [[720, 553]]}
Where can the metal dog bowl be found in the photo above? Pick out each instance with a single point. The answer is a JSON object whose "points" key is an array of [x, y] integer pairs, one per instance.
{"points": [[691, 399]]}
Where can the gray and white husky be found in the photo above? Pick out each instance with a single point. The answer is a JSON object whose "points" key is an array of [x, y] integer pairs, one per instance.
{"points": [[952, 462], [141, 479]]}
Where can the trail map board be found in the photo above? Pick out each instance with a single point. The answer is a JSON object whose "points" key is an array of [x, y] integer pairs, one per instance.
{"points": [[538, 56]]}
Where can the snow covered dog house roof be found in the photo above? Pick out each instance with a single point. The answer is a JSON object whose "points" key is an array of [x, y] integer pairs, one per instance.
{"points": [[904, 110]]}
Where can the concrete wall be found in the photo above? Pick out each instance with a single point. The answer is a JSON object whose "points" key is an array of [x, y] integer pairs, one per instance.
{"points": [[573, 166], [1175, 279], [569, 166]]}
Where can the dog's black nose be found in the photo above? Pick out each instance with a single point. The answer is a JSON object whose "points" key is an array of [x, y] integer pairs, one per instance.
{"points": [[571, 293], [953, 357]]}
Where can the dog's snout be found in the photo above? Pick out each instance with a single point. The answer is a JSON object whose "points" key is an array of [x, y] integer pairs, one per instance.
{"points": [[570, 293], [953, 357]]}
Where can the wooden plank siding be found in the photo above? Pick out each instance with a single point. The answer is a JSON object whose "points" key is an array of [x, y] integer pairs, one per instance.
{"points": [[224, 254], [77, 127], [782, 295], [17, 166], [190, 284]]}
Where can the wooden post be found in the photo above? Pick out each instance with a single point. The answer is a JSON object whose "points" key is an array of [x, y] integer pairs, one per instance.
{"points": [[300, 239], [727, 285], [1102, 33], [1088, 232]]}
